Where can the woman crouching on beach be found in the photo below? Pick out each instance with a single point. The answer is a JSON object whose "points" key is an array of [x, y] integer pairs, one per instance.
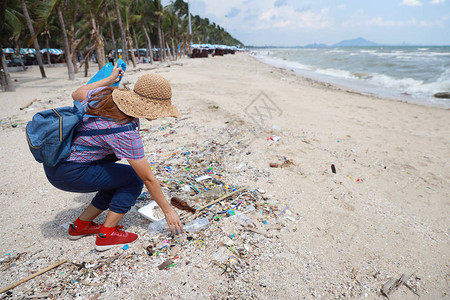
{"points": [[91, 167]]}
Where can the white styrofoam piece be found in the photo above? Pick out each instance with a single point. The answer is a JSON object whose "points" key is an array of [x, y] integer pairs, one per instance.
{"points": [[147, 211], [201, 178]]}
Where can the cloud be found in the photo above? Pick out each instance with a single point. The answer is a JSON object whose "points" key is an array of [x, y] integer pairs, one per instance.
{"points": [[286, 16], [342, 6], [279, 3], [233, 12], [360, 19], [425, 23], [379, 21], [411, 3], [437, 1]]}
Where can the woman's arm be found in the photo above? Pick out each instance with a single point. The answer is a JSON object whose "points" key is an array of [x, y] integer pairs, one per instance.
{"points": [[142, 169], [81, 93]]}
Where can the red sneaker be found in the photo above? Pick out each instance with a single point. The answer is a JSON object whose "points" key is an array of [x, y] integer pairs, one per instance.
{"points": [[117, 238], [92, 228]]}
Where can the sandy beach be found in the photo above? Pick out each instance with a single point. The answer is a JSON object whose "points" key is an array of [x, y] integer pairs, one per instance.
{"points": [[383, 213]]}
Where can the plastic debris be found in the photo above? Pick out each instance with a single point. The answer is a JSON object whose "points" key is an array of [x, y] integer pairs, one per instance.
{"points": [[202, 178], [196, 225], [274, 138]]}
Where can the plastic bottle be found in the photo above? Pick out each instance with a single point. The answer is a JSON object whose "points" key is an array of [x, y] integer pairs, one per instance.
{"points": [[241, 219], [193, 226], [158, 227], [196, 225], [106, 72]]}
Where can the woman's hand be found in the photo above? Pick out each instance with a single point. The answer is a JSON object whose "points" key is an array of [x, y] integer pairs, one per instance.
{"points": [[81, 93], [174, 222], [143, 170], [116, 73]]}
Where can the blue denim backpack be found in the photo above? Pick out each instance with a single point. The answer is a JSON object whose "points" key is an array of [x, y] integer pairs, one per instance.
{"points": [[50, 133]]}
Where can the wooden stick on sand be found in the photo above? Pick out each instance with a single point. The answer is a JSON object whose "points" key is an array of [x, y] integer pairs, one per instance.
{"points": [[215, 201], [33, 275], [29, 104]]}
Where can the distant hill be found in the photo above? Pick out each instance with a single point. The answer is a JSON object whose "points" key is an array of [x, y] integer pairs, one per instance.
{"points": [[359, 42]]}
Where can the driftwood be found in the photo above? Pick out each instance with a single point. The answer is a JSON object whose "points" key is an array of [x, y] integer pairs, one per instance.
{"points": [[29, 104], [211, 203], [33, 275], [220, 199], [393, 284]]}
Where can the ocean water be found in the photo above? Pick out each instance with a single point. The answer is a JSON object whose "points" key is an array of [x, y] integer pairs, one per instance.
{"points": [[408, 73]]}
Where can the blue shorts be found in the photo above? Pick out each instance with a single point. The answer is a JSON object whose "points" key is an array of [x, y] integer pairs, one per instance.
{"points": [[118, 185]]}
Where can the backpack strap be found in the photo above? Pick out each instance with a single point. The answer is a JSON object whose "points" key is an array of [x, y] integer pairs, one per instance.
{"points": [[128, 127]]}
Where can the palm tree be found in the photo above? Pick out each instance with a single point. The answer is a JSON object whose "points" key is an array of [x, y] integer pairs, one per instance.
{"points": [[159, 11], [93, 9], [10, 27], [111, 28], [122, 31], [147, 22], [69, 62], [46, 12], [34, 37], [127, 17], [47, 35]]}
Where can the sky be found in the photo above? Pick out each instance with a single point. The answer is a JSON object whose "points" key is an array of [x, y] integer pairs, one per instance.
{"points": [[301, 22]]}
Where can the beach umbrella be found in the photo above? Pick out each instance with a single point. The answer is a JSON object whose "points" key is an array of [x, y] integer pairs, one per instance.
{"points": [[27, 51], [56, 51], [8, 50]]}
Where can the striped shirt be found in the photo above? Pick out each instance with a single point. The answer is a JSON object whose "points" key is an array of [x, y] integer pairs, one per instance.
{"points": [[125, 145]]}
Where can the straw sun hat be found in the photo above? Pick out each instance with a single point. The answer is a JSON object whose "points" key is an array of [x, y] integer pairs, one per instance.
{"points": [[150, 98]]}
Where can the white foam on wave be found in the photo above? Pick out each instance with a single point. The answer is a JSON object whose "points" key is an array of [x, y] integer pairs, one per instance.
{"points": [[336, 73], [368, 51], [284, 63], [401, 85], [381, 84], [336, 51]]}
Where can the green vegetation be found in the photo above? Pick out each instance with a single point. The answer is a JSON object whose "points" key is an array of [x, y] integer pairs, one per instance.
{"points": [[85, 27]]}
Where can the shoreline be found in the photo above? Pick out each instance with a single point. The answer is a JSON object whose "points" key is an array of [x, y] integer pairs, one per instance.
{"points": [[356, 85], [382, 214]]}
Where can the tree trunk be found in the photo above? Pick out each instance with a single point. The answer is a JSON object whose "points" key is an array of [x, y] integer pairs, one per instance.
{"points": [[34, 37], [66, 44], [47, 44], [162, 55], [19, 55], [122, 31], [73, 53], [168, 51], [6, 81], [73, 43], [133, 57], [174, 54], [149, 44], [86, 65], [111, 28], [99, 45], [135, 42]]}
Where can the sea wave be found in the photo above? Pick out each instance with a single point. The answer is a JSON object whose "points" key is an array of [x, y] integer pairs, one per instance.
{"points": [[402, 85], [395, 73]]}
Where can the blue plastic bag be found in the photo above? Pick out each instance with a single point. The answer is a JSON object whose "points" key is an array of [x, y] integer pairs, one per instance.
{"points": [[106, 72]]}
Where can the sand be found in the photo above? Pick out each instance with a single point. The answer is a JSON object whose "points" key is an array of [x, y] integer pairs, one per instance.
{"points": [[383, 214]]}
